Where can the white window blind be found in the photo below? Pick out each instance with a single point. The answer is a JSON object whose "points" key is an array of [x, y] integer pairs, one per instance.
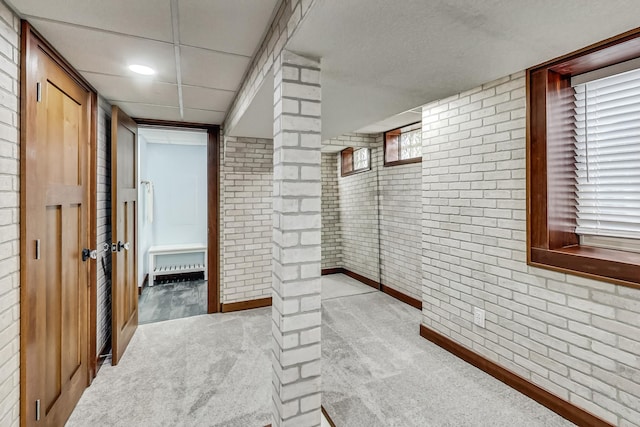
{"points": [[607, 153]]}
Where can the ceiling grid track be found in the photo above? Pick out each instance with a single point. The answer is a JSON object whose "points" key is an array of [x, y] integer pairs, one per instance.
{"points": [[175, 23]]}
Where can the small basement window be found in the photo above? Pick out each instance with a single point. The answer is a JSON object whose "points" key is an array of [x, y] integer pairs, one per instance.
{"points": [[403, 145], [355, 160]]}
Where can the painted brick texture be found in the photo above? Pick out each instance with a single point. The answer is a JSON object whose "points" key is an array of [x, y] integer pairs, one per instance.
{"points": [[577, 338], [296, 311], [400, 210], [247, 225], [359, 222], [9, 218], [331, 233], [380, 215], [103, 319]]}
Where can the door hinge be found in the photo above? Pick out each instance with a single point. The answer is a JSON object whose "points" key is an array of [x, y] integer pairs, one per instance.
{"points": [[38, 410], [37, 248], [38, 92]]}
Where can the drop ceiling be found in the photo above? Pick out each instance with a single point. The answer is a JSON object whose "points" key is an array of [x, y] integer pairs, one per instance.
{"points": [[215, 39], [163, 135], [380, 59]]}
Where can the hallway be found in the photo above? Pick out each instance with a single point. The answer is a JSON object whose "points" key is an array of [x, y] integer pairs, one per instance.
{"points": [[213, 370]]}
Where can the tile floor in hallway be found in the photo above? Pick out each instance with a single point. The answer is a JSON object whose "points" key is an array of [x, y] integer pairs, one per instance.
{"points": [[215, 370], [173, 300]]}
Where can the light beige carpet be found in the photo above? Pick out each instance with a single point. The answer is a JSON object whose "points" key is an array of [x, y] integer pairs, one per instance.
{"points": [[209, 370], [215, 370]]}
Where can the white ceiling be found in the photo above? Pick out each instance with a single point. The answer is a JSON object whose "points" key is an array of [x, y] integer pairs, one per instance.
{"points": [[394, 122], [216, 40], [173, 136], [381, 57]]}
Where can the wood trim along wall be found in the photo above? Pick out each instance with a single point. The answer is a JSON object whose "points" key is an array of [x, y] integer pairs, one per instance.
{"points": [[327, 417], [145, 282], [213, 200], [400, 296], [93, 237], [245, 305], [360, 278], [213, 231], [403, 162], [556, 404], [336, 270], [170, 123]]}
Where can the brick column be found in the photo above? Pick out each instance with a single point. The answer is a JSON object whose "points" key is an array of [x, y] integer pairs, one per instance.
{"points": [[296, 242]]}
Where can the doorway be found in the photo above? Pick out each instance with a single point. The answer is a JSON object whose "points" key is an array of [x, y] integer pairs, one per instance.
{"points": [[59, 194], [172, 232]]}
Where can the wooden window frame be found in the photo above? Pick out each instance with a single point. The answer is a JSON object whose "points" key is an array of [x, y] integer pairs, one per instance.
{"points": [[551, 212], [399, 162], [346, 157]]}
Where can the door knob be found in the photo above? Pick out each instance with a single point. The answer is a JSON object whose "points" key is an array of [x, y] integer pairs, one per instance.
{"points": [[88, 253], [122, 246]]}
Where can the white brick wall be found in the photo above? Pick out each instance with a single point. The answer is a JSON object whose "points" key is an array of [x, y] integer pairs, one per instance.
{"points": [[400, 189], [103, 319], [9, 218], [331, 234], [296, 307], [577, 338], [247, 227], [379, 218], [358, 196]]}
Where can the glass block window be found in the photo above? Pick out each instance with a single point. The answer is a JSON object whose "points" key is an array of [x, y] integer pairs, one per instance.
{"points": [[355, 160], [403, 145], [361, 159]]}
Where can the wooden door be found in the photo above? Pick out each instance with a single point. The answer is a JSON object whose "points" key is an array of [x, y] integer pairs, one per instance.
{"points": [[124, 196], [56, 141]]}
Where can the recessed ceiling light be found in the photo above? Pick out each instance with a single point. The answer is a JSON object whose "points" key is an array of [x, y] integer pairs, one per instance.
{"points": [[142, 69]]}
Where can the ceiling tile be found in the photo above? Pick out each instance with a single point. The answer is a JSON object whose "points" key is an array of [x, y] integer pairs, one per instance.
{"points": [[134, 89], [163, 135], [160, 112], [214, 24], [212, 69], [108, 53], [203, 116], [206, 99], [147, 111], [143, 18]]}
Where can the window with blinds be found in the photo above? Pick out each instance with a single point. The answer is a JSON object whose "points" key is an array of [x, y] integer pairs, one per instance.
{"points": [[607, 155]]}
